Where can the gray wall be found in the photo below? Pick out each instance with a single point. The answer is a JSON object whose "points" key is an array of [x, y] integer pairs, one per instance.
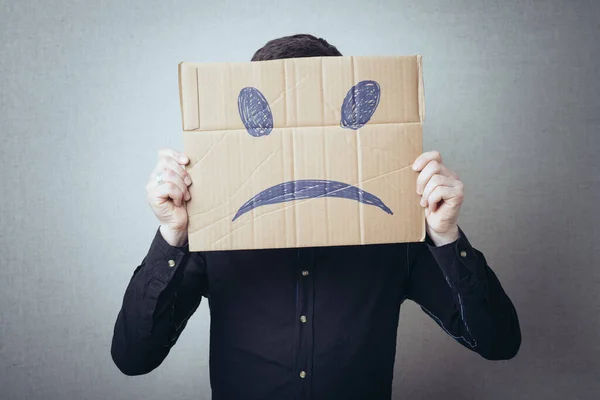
{"points": [[88, 94]]}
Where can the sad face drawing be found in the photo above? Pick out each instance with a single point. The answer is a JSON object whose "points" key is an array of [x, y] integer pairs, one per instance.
{"points": [[359, 105]]}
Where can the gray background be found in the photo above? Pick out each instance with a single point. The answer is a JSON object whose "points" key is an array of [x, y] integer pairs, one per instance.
{"points": [[88, 94]]}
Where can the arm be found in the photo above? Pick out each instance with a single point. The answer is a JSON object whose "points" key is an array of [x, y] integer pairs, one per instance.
{"points": [[454, 285], [450, 279], [157, 304]]}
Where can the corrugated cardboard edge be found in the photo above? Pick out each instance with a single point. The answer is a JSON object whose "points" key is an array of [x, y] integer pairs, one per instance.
{"points": [[421, 92], [179, 66], [190, 119]]}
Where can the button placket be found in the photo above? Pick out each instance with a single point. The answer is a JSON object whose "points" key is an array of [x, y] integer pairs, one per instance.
{"points": [[304, 312]]}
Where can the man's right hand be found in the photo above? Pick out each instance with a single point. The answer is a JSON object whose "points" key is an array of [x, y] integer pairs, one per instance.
{"points": [[167, 193]]}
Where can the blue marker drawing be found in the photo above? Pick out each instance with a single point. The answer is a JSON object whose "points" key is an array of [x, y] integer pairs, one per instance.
{"points": [[255, 112], [309, 189], [358, 107], [360, 104]]}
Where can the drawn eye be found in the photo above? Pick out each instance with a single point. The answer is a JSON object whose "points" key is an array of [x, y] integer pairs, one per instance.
{"points": [[360, 104], [255, 112]]}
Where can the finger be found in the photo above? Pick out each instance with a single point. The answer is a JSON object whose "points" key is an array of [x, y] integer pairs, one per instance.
{"points": [[435, 181], [425, 158], [170, 163], [176, 155], [452, 195], [168, 191], [432, 168], [437, 195], [168, 175]]}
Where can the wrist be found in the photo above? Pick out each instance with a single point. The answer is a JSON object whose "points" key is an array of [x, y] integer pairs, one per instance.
{"points": [[441, 239], [173, 237]]}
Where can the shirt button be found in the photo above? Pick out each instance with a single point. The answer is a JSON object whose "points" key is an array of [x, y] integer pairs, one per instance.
{"points": [[303, 318], [171, 263], [305, 273], [463, 254], [302, 374]]}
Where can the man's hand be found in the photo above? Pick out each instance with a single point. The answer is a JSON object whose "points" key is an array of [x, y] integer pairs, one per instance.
{"points": [[441, 195], [167, 191]]}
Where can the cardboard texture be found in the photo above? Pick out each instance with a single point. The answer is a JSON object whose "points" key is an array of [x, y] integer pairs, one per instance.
{"points": [[303, 152]]}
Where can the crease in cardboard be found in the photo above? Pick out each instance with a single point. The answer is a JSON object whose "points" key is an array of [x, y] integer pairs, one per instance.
{"points": [[294, 169], [322, 93], [327, 177], [391, 183], [200, 213], [263, 162], [210, 210], [304, 126], [285, 218], [295, 87], [208, 151], [289, 144], [278, 99], [380, 151], [361, 218], [296, 102], [285, 105], [332, 109]]}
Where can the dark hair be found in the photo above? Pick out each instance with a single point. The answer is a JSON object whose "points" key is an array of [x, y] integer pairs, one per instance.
{"points": [[295, 46]]}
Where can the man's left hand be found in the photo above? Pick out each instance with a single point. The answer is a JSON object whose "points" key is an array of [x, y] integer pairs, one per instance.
{"points": [[441, 195]]}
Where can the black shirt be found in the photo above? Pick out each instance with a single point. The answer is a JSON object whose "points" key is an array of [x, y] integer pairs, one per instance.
{"points": [[310, 323]]}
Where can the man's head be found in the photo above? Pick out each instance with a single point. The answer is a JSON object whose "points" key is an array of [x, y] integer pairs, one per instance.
{"points": [[295, 46]]}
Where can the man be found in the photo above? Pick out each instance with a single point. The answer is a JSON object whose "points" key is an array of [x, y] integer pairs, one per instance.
{"points": [[309, 323]]}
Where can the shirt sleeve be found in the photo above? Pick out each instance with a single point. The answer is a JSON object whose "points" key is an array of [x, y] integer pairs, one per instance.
{"points": [[163, 293], [454, 285]]}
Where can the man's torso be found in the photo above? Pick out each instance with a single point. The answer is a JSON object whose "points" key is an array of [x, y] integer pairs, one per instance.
{"points": [[310, 320]]}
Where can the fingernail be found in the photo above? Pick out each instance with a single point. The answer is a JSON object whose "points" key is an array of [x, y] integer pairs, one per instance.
{"points": [[188, 196], [183, 158], [187, 180], [414, 167]]}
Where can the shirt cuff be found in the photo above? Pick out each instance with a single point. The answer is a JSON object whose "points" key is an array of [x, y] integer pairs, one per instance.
{"points": [[458, 261], [163, 259]]}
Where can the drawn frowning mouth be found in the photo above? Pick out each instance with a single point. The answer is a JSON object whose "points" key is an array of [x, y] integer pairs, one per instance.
{"points": [[358, 107], [310, 189]]}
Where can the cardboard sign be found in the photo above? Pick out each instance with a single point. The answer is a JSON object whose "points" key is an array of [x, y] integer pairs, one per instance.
{"points": [[302, 152]]}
